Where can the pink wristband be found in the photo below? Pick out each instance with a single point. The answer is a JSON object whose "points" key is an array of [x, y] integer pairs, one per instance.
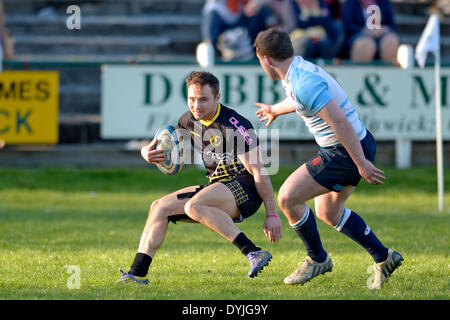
{"points": [[272, 216]]}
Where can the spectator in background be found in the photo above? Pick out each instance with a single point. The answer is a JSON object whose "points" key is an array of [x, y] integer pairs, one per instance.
{"points": [[440, 7], [335, 8], [365, 41], [317, 34], [285, 19], [231, 26]]}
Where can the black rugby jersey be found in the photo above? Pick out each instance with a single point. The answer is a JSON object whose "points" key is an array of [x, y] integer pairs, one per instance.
{"points": [[220, 141]]}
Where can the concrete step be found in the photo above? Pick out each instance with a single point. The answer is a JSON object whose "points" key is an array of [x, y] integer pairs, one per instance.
{"points": [[415, 7], [79, 128], [157, 23], [103, 7], [81, 44], [414, 39], [152, 24], [78, 61], [80, 98], [413, 24]]}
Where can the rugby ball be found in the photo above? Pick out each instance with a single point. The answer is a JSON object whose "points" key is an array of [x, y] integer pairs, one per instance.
{"points": [[168, 141]]}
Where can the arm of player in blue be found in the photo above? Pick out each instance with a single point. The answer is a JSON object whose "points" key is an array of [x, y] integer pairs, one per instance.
{"points": [[312, 91]]}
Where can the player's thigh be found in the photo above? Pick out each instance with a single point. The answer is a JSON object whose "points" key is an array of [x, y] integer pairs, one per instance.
{"points": [[171, 204], [300, 186], [219, 196], [329, 206]]}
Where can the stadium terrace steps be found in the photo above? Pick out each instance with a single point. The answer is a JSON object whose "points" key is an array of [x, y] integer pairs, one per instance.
{"points": [[111, 44], [410, 27], [124, 31], [414, 25], [416, 7], [104, 35], [145, 27], [24, 59], [133, 27], [150, 24], [445, 44], [105, 7]]}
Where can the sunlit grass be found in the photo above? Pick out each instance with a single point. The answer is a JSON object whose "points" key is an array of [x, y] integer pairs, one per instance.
{"points": [[54, 218]]}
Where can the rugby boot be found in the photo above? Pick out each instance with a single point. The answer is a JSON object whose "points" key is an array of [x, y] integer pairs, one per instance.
{"points": [[258, 260], [384, 269], [127, 278], [308, 270]]}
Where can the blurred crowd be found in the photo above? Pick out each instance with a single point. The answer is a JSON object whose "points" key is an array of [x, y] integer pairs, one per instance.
{"points": [[360, 30]]}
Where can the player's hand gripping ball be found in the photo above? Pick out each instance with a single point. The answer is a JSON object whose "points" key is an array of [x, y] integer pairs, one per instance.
{"points": [[168, 141]]}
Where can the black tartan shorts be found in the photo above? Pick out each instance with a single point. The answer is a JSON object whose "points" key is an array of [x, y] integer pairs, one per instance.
{"points": [[244, 191]]}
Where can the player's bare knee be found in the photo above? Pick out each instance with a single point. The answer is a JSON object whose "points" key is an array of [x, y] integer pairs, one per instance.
{"points": [[157, 209], [153, 207], [285, 201], [191, 209]]}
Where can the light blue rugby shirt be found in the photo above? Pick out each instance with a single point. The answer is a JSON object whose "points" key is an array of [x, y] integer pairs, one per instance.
{"points": [[310, 88]]}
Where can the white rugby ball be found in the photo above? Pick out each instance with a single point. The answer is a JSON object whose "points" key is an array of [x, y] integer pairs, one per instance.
{"points": [[168, 141]]}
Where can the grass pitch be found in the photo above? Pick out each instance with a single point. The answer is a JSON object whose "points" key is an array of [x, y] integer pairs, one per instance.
{"points": [[54, 219]]}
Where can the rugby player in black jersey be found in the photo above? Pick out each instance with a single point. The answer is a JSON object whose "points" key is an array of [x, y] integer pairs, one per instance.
{"points": [[237, 187]]}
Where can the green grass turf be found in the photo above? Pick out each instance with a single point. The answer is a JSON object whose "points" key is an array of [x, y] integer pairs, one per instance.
{"points": [[93, 218]]}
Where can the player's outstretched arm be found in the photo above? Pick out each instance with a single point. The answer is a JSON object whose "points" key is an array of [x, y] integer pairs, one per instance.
{"points": [[151, 155], [269, 113], [252, 162]]}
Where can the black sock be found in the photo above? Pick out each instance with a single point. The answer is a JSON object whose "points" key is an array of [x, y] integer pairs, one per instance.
{"points": [[354, 227], [306, 228], [245, 244], [140, 265]]}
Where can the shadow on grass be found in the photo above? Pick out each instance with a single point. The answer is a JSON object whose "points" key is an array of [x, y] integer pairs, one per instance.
{"points": [[151, 179]]}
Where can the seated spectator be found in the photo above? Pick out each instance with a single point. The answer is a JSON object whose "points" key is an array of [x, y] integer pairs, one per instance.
{"points": [[316, 33], [335, 8], [364, 40], [231, 26], [285, 19], [441, 8]]}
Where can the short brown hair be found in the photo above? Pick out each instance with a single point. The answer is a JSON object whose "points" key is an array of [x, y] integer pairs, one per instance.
{"points": [[274, 43], [203, 78]]}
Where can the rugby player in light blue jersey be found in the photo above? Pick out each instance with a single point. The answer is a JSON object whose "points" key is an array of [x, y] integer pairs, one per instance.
{"points": [[347, 151]]}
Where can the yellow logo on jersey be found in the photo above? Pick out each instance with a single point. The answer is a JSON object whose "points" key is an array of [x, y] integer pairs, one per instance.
{"points": [[215, 141]]}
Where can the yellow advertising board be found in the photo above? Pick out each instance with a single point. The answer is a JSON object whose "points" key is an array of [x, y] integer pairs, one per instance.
{"points": [[29, 102]]}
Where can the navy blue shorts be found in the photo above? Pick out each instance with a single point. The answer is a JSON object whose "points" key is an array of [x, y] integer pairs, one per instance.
{"points": [[333, 167]]}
